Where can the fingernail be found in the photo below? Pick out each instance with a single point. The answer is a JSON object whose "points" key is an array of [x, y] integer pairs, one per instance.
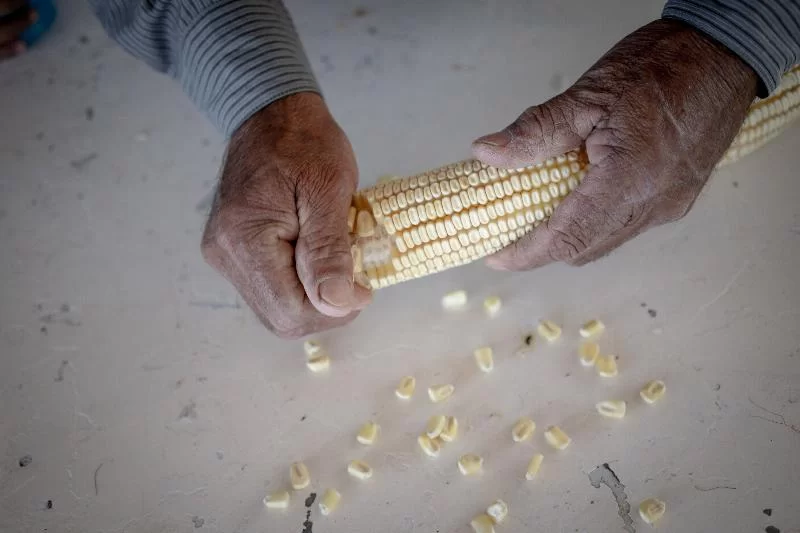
{"points": [[337, 292], [20, 47], [499, 139]]}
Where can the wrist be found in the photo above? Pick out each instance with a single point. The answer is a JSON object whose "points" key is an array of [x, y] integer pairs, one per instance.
{"points": [[294, 112]]}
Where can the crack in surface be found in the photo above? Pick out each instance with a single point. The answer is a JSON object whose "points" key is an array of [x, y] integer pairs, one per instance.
{"points": [[604, 475]]}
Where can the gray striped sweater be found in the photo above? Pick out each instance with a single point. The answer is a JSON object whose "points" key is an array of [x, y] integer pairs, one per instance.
{"points": [[234, 57]]}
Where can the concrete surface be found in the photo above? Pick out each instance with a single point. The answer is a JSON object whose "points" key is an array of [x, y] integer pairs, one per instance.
{"points": [[142, 396]]}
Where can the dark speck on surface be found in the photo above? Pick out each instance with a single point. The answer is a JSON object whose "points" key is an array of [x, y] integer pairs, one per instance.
{"points": [[772, 529], [220, 455], [372, 30], [735, 184], [25, 460], [60, 373], [83, 39], [528, 340], [768, 512], [43, 330], [652, 313], [310, 499], [360, 12], [89, 113], [49, 504], [303, 418], [198, 522], [717, 386], [643, 304], [188, 412], [40, 136], [81, 162]]}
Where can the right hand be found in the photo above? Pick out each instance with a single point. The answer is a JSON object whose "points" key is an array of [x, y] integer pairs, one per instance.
{"points": [[15, 17], [278, 228]]}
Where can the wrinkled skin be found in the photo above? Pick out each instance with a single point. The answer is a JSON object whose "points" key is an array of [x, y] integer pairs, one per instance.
{"points": [[15, 18], [656, 114]]}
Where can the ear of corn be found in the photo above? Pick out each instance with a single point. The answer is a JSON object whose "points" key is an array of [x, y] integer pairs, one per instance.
{"points": [[410, 227]]}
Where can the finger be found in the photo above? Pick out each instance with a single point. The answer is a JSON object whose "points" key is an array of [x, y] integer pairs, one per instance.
{"points": [[12, 49], [12, 26], [9, 6], [547, 130]]}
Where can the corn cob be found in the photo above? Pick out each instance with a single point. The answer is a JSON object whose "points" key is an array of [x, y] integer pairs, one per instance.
{"points": [[410, 227]]}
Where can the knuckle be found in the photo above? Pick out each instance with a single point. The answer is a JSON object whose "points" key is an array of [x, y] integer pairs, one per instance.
{"points": [[566, 246]]}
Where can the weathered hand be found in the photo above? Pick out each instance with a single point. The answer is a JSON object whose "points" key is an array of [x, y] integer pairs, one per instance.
{"points": [[278, 228], [656, 113], [15, 17]]}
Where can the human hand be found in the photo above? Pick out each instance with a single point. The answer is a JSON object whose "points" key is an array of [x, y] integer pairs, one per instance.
{"points": [[15, 17], [278, 228], [656, 114]]}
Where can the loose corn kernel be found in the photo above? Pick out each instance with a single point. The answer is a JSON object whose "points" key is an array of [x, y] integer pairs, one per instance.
{"points": [[533, 466], [430, 446], [592, 328], [611, 408], [277, 500], [651, 510], [405, 390], [454, 300], [439, 393], [436, 424], [368, 433], [359, 470], [588, 353], [329, 502], [312, 347], [549, 330], [653, 391], [492, 305], [484, 359], [606, 366], [319, 363], [450, 431], [470, 464], [523, 429], [482, 523], [498, 511], [299, 476], [556, 438]]}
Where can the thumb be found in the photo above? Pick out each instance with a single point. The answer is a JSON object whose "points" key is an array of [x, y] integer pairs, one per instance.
{"points": [[547, 130]]}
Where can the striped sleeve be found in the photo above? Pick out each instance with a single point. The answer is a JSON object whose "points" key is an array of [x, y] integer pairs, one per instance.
{"points": [[764, 33], [232, 57]]}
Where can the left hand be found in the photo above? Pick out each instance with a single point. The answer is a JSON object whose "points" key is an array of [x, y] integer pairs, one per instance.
{"points": [[656, 114]]}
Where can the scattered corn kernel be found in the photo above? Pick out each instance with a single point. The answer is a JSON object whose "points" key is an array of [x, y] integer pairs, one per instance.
{"points": [[439, 393], [454, 300], [549, 330], [611, 408], [299, 476], [606, 366], [482, 524], [436, 424], [484, 359], [311, 347], [405, 390], [368, 433], [470, 464], [359, 470], [319, 363], [523, 429], [556, 438], [277, 500], [653, 391], [533, 466], [329, 502], [450, 431], [430, 446], [592, 328], [498, 511], [651, 510], [588, 353], [492, 305]]}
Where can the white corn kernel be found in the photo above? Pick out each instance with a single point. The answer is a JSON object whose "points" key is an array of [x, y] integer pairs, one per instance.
{"points": [[368, 433], [556, 438], [329, 502], [651, 510], [454, 300], [450, 431], [405, 390], [430, 446], [484, 359], [299, 476], [653, 391], [359, 470], [498, 511], [606, 366], [592, 328], [611, 408], [312, 348], [439, 393], [533, 466], [436, 424], [523, 429], [319, 363], [365, 224], [482, 524], [470, 464], [277, 500], [492, 305], [549, 330], [588, 353]]}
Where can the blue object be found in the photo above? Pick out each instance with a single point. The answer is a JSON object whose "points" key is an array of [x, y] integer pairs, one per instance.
{"points": [[46, 10]]}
